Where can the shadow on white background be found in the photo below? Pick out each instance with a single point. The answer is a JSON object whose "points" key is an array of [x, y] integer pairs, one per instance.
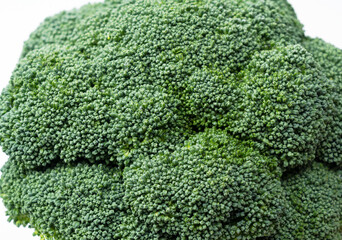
{"points": [[321, 18]]}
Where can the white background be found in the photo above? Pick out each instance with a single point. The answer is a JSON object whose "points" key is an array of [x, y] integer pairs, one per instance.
{"points": [[18, 18]]}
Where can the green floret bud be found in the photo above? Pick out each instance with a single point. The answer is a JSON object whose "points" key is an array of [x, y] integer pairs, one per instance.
{"points": [[211, 187], [314, 204], [81, 201], [330, 60], [284, 102], [84, 74], [174, 119]]}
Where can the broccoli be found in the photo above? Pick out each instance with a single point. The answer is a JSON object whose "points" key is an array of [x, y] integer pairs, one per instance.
{"points": [[164, 119]]}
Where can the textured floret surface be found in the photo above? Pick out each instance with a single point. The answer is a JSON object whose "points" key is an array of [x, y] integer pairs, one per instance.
{"points": [[174, 119]]}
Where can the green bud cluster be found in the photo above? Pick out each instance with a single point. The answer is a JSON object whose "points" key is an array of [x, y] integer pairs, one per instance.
{"points": [[174, 119]]}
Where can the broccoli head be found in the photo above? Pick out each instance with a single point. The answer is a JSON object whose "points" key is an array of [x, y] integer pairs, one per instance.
{"points": [[187, 119]]}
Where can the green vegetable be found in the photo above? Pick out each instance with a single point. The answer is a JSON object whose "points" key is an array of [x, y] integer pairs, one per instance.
{"points": [[164, 119]]}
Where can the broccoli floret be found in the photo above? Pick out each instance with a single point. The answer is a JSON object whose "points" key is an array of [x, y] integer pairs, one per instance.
{"points": [[78, 201], [283, 107], [211, 187], [314, 204], [330, 60], [186, 119]]}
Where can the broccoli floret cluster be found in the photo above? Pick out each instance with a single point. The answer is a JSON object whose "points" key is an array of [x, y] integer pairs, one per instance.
{"points": [[164, 119], [330, 60], [78, 201], [212, 187], [313, 207]]}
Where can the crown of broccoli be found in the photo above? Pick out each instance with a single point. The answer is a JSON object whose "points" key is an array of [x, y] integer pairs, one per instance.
{"points": [[164, 119]]}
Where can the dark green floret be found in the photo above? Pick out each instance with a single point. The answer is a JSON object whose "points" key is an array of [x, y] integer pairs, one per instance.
{"points": [[211, 187], [174, 120], [330, 60], [79, 201], [285, 104], [314, 204]]}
